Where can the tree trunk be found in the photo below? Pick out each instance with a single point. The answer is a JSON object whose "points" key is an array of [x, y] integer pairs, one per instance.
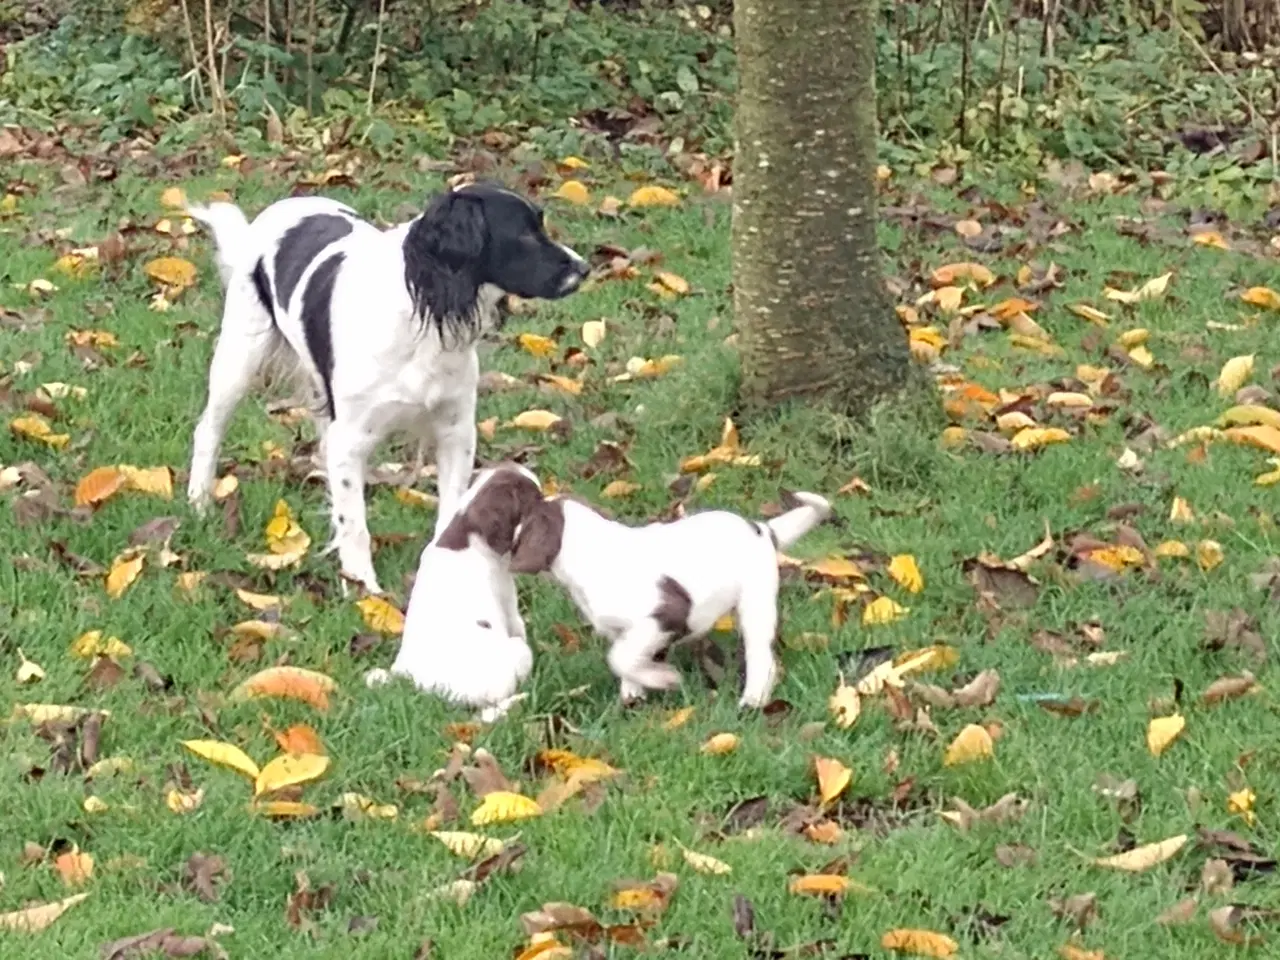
{"points": [[813, 315]]}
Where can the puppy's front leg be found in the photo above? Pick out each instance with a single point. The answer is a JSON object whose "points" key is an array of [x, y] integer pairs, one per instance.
{"points": [[511, 607], [631, 659], [347, 448]]}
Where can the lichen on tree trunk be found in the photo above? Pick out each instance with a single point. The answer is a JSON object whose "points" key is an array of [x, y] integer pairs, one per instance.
{"points": [[813, 315]]}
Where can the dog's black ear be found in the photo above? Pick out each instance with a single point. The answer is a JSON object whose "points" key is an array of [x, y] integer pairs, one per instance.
{"points": [[442, 258]]}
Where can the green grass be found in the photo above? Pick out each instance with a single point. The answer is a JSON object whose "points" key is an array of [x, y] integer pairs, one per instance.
{"points": [[940, 506]]}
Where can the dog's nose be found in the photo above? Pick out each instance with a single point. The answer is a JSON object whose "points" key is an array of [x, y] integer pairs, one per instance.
{"points": [[578, 270]]}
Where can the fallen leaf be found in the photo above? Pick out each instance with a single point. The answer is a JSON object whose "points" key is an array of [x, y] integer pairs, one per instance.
{"points": [[538, 420], [593, 333], [833, 778], [172, 272], [91, 644], [1181, 912], [1209, 554], [1240, 803], [1151, 290], [1007, 808], [224, 755], [1235, 372], [288, 770], [1228, 688], [972, 743], [381, 615], [36, 427], [299, 738], [619, 488], [951, 273], [39, 917], [469, 846], [1144, 857], [1162, 731], [74, 866], [1032, 438], [902, 568], [920, 943], [98, 485], [703, 863], [536, 344], [678, 719], [28, 670], [1069, 951], [125, 569], [1263, 297], [573, 191], [821, 885], [283, 534], [1263, 436], [673, 282], [845, 705], [287, 682], [720, 743], [883, 610], [653, 196], [502, 806]]}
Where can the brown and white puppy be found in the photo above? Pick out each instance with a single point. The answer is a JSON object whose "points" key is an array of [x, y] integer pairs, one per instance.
{"points": [[645, 587], [463, 637]]}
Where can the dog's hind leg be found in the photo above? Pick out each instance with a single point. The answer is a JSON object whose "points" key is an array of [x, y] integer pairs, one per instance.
{"points": [[758, 625], [245, 342], [348, 444]]}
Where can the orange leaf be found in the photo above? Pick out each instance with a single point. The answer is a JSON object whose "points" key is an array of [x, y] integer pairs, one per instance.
{"points": [[74, 867], [922, 943], [947, 275], [833, 777], [293, 683], [299, 738], [1265, 436], [98, 485]]}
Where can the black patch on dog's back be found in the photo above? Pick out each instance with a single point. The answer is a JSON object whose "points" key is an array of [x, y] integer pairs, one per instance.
{"points": [[300, 245], [317, 329], [672, 612], [262, 285]]}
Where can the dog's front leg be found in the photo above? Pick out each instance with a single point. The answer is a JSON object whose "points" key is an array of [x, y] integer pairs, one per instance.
{"points": [[511, 608], [455, 436], [347, 449], [631, 660]]}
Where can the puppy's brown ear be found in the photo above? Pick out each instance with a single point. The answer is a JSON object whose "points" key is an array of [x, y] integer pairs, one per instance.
{"points": [[539, 538]]}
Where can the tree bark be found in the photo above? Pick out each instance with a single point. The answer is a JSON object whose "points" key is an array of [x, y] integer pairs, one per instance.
{"points": [[813, 315]]}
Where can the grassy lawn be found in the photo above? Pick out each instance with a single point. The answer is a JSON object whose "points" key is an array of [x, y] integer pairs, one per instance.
{"points": [[990, 887]]}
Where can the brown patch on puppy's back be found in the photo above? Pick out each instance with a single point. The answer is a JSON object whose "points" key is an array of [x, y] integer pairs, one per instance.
{"points": [[493, 514], [672, 611]]}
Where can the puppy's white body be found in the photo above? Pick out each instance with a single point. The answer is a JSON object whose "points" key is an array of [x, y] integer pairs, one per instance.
{"points": [[642, 587], [464, 638]]}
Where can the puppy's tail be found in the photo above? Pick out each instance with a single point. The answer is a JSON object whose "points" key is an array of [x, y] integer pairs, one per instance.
{"points": [[807, 510], [230, 228]]}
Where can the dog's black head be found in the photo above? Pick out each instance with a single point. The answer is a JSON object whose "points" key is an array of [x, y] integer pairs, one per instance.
{"points": [[483, 235]]}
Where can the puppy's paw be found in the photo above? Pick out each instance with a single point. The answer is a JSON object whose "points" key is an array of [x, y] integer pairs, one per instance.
{"points": [[632, 693]]}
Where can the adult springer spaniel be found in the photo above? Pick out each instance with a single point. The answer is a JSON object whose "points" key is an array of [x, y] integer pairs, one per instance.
{"points": [[645, 587], [464, 638], [383, 325]]}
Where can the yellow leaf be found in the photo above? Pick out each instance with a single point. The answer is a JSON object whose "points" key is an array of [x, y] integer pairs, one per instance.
{"points": [[28, 670], [1248, 415], [1142, 357], [972, 743], [124, 570], [1162, 731], [1032, 438], [156, 480], [833, 778], [954, 437], [171, 272], [720, 744], [36, 427], [381, 615], [502, 806], [568, 764], [536, 344], [1209, 554], [98, 485], [288, 770], [1066, 399], [1180, 511], [535, 420], [703, 863], [903, 569], [224, 755], [38, 713], [1172, 549], [258, 601], [673, 282], [356, 806], [469, 846], [1234, 374], [1210, 238], [1089, 313], [1241, 802], [883, 610], [940, 656], [1150, 290], [949, 274], [1144, 857], [94, 804], [275, 561], [1270, 477], [678, 719], [845, 705], [294, 683], [653, 196], [285, 809], [835, 568], [593, 333], [920, 943], [575, 163], [574, 191], [39, 917], [1262, 297], [564, 384], [619, 488], [1264, 436], [820, 885], [225, 487], [91, 644], [283, 534], [1117, 558], [174, 198]]}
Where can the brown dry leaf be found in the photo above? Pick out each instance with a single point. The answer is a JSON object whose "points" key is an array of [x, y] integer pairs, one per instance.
{"points": [[920, 943], [833, 777], [295, 683], [39, 917], [381, 615], [1228, 688], [1144, 857], [1004, 810], [1181, 912], [1226, 920]]}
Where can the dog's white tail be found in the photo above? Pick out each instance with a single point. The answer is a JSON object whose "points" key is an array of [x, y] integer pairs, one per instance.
{"points": [[808, 511], [231, 236]]}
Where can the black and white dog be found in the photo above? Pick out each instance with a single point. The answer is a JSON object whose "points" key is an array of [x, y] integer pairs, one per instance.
{"points": [[383, 324]]}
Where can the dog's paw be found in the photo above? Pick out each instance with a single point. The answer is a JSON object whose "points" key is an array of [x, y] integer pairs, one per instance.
{"points": [[632, 693]]}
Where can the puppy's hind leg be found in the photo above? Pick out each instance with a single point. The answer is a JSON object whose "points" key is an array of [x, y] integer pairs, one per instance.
{"points": [[245, 342], [348, 445], [758, 625]]}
